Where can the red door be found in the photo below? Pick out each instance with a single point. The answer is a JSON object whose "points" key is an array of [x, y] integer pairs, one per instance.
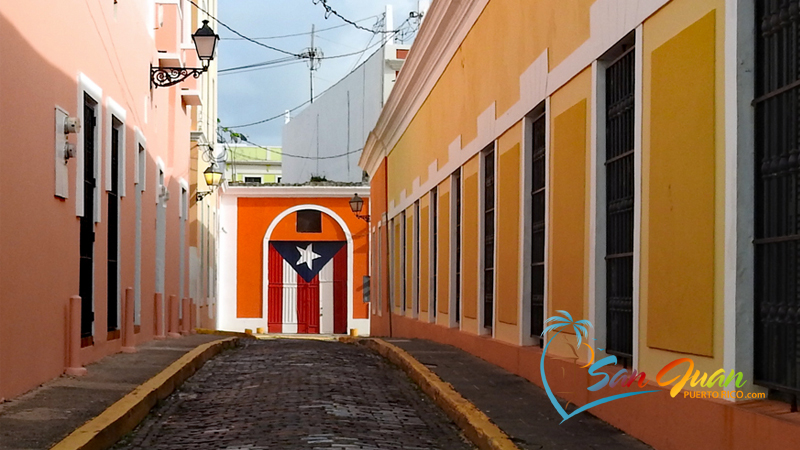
{"points": [[340, 292], [308, 306]]}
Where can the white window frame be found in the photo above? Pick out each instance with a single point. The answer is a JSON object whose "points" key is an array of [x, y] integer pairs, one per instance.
{"points": [[482, 330], [88, 87], [115, 111]]}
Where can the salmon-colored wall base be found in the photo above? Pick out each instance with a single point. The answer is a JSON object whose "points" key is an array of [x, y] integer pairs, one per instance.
{"points": [[657, 419]]}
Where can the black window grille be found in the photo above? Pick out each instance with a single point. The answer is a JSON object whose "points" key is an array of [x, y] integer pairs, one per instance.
{"points": [[403, 258], [538, 226], [434, 249], [488, 238], [252, 179], [113, 230], [309, 221], [86, 280], [777, 196], [457, 261], [620, 83], [415, 301]]}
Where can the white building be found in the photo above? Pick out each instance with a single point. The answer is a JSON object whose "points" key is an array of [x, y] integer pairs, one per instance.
{"points": [[339, 121]]}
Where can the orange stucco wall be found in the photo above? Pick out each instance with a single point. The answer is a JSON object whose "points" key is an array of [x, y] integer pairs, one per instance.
{"points": [[254, 218]]}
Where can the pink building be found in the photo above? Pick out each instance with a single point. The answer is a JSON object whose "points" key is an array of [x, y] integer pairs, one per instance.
{"points": [[113, 216]]}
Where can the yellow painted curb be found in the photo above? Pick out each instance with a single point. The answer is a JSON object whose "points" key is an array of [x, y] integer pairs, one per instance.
{"points": [[223, 333], [475, 424], [120, 418]]}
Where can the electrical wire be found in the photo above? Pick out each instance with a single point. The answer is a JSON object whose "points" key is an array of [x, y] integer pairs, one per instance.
{"points": [[330, 11], [296, 55], [254, 69], [300, 34], [341, 155], [260, 64]]}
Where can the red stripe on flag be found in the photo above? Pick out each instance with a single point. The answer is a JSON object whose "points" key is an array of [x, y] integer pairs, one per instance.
{"points": [[340, 292], [308, 305], [275, 293]]}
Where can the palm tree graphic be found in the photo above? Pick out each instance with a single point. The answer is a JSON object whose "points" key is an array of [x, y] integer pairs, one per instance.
{"points": [[581, 328]]}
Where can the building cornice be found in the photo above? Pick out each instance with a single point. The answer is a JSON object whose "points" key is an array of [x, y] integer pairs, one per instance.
{"points": [[297, 191], [443, 30]]}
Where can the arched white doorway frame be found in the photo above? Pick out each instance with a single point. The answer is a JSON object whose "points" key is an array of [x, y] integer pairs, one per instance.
{"points": [[265, 257]]}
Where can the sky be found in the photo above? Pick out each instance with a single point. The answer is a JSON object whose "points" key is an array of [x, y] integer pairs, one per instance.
{"points": [[251, 95]]}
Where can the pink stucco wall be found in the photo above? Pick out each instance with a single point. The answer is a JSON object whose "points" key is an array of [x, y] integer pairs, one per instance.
{"points": [[44, 46]]}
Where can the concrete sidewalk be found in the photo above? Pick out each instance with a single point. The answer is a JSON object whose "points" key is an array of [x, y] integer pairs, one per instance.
{"points": [[520, 408], [44, 416]]}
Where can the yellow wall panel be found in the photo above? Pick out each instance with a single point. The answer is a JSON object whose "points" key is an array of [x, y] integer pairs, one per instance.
{"points": [[681, 197], [567, 211], [470, 241], [424, 252], [443, 255], [507, 239]]}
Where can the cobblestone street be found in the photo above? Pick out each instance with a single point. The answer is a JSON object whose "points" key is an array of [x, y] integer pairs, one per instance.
{"points": [[297, 394]]}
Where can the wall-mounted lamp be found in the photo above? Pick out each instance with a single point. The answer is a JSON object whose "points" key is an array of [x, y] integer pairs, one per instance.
{"points": [[356, 205], [213, 176], [205, 42]]}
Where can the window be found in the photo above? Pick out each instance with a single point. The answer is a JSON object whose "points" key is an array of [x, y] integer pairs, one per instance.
{"points": [[538, 224], [379, 271], [113, 231], [415, 300], [777, 203], [278, 179], [392, 266], [456, 177], [434, 249], [252, 179], [488, 237], [87, 220], [309, 221], [619, 160], [403, 266]]}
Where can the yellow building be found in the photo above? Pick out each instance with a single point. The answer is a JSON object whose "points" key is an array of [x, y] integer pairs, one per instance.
{"points": [[631, 162]]}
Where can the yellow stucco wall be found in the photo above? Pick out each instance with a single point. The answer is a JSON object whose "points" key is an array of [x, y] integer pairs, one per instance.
{"points": [[443, 261], [700, 26], [507, 38], [509, 185], [424, 254], [567, 233], [681, 234]]}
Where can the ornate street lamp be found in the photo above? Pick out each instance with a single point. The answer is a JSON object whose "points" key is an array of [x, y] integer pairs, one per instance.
{"points": [[205, 43], [356, 205], [213, 176]]}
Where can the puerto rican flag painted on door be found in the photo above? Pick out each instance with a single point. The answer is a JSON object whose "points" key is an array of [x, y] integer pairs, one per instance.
{"points": [[307, 291]]}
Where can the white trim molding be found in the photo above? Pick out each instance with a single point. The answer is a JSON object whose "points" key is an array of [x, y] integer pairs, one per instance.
{"points": [[114, 110], [88, 87]]}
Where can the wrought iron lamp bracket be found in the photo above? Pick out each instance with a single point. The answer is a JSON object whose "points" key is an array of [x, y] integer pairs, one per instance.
{"points": [[170, 76]]}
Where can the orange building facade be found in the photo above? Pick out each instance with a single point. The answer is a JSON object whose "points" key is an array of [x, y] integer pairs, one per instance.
{"points": [[293, 259]]}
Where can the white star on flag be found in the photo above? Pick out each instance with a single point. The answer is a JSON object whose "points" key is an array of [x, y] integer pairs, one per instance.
{"points": [[307, 256]]}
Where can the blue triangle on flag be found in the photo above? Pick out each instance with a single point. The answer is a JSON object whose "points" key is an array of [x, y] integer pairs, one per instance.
{"points": [[307, 258]]}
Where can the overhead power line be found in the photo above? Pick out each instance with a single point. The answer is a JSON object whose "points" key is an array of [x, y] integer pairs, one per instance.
{"points": [[341, 155], [286, 52], [330, 11], [266, 38]]}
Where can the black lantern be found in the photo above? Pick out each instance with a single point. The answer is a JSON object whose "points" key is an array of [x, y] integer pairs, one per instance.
{"points": [[205, 43], [356, 205]]}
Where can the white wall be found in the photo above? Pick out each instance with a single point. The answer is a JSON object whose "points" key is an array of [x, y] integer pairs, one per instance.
{"points": [[330, 127]]}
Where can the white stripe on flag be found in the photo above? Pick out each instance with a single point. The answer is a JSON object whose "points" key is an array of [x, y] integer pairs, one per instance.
{"points": [[289, 298], [326, 298]]}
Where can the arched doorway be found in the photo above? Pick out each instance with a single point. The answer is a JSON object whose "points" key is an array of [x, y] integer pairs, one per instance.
{"points": [[308, 272]]}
